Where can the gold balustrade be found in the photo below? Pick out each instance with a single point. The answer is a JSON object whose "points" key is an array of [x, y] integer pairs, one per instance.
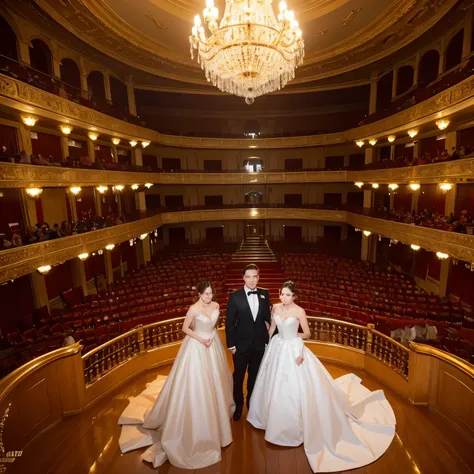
{"points": [[22, 97], [24, 260], [64, 383], [24, 176]]}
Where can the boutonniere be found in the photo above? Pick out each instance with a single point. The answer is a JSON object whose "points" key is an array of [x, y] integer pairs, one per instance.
{"points": [[262, 296]]}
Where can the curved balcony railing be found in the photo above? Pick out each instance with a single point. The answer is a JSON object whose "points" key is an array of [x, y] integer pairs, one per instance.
{"points": [[24, 176], [65, 383], [20, 261]]}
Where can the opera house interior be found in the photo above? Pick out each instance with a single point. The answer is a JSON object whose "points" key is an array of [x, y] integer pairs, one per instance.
{"points": [[162, 143]]}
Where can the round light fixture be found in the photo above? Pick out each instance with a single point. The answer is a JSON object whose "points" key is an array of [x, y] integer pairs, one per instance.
{"points": [[119, 187], [134, 186], [391, 138], [93, 136], [66, 129], [33, 192], [359, 143], [393, 186], [143, 236], [412, 133], [29, 121], [102, 189], [367, 233], [115, 141], [414, 186], [415, 247], [373, 141], [442, 256], [359, 184], [446, 186], [75, 190], [442, 124], [375, 185]]}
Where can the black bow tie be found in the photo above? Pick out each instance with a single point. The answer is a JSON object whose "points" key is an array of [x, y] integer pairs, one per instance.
{"points": [[254, 292]]}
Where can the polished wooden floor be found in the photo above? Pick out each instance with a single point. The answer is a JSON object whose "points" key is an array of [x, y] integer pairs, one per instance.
{"points": [[88, 443]]}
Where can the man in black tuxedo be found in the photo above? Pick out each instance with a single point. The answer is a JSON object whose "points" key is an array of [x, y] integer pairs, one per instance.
{"points": [[247, 322]]}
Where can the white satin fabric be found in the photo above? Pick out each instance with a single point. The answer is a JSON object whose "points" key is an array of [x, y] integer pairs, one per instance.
{"points": [[341, 423], [184, 417]]}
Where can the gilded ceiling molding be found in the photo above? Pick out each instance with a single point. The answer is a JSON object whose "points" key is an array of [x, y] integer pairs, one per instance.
{"points": [[24, 260], [97, 24], [24, 176]]}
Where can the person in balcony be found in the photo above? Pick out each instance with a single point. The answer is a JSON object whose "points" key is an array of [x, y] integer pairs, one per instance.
{"points": [[295, 400], [185, 417]]}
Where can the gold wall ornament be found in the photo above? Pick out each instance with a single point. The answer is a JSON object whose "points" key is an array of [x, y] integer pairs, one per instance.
{"points": [[2, 427], [251, 52]]}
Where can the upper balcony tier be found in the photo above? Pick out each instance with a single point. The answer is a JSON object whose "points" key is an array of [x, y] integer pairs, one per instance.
{"points": [[24, 176], [23, 260], [20, 97]]}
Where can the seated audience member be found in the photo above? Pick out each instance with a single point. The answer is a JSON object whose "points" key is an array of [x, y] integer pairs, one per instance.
{"points": [[4, 156]]}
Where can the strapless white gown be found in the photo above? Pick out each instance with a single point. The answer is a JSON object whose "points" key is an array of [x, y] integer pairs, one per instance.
{"points": [[342, 424], [184, 417]]}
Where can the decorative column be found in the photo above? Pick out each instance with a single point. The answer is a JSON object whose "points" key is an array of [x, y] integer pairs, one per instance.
{"points": [[364, 250], [72, 205], [38, 286], [132, 106], [114, 153], [414, 200], [394, 83], [369, 155], [392, 199], [368, 200], [416, 150], [445, 277], [64, 146], [108, 90], [373, 95], [143, 250], [450, 202], [372, 257], [442, 56], [84, 86], [91, 149], [346, 161], [56, 68], [392, 152], [417, 68], [137, 158], [98, 202], [109, 270], [24, 139], [466, 43], [28, 210], [24, 50], [79, 279], [451, 141]]}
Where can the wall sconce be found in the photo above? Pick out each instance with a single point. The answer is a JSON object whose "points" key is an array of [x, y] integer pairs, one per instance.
{"points": [[415, 247], [412, 133], [391, 138], [145, 144], [102, 189], [367, 233], [393, 186], [75, 190], [442, 256], [446, 186], [29, 121], [66, 129], [33, 192], [133, 143], [375, 185], [373, 141], [148, 185], [119, 187], [93, 136], [83, 256], [442, 124], [143, 236], [359, 143], [110, 247], [359, 184], [115, 141], [414, 186], [134, 186], [44, 269]]}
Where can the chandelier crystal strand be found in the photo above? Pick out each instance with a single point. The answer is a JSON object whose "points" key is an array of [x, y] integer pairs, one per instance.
{"points": [[251, 52]]}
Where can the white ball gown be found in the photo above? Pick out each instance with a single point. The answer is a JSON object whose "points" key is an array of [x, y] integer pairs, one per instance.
{"points": [[342, 424], [184, 417]]}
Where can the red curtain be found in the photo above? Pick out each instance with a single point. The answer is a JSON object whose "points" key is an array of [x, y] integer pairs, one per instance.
{"points": [[402, 200], [432, 146], [109, 204], [8, 139], [125, 159], [47, 145], [85, 201], [78, 152], [16, 301], [422, 258], [115, 257], [431, 197], [10, 211], [465, 137], [129, 255], [39, 210], [401, 151], [95, 266], [462, 282], [150, 160], [104, 153], [434, 266], [465, 199], [58, 279]]}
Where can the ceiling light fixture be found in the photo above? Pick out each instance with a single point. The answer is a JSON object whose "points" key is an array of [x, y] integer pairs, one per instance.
{"points": [[29, 121], [119, 187], [412, 133], [391, 138], [134, 186], [44, 269], [66, 129], [393, 186], [145, 144], [373, 141], [143, 236], [414, 186], [33, 192], [251, 52], [102, 189], [75, 190], [148, 185], [133, 143], [93, 136], [446, 186], [367, 233], [110, 247], [375, 185], [115, 141], [359, 143], [415, 247], [359, 184], [442, 124], [442, 256], [83, 256]]}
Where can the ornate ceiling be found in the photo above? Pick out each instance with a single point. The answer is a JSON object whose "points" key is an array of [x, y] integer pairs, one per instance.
{"points": [[152, 35]]}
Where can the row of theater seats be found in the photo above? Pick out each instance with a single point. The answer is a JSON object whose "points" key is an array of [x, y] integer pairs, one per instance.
{"points": [[161, 290], [360, 292]]}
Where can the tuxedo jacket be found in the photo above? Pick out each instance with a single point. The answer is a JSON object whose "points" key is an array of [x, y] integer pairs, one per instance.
{"points": [[242, 331]]}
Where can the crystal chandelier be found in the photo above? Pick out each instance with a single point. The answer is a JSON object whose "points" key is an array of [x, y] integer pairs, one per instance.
{"points": [[251, 52]]}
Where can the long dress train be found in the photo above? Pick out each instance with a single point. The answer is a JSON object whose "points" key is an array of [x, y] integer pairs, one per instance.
{"points": [[184, 417], [342, 424]]}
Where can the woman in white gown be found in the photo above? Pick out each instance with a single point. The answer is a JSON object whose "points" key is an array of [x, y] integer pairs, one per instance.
{"points": [[185, 417], [295, 400]]}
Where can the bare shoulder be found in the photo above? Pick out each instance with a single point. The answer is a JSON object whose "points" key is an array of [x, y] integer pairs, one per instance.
{"points": [[300, 312], [215, 305], [276, 307]]}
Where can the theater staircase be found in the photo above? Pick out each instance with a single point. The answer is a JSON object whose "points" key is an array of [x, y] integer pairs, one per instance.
{"points": [[252, 250]]}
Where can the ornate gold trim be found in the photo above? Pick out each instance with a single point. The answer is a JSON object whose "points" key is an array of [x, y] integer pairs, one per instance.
{"points": [[23, 176], [450, 359], [24, 260]]}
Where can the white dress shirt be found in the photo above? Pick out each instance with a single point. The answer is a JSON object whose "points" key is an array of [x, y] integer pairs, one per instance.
{"points": [[253, 301]]}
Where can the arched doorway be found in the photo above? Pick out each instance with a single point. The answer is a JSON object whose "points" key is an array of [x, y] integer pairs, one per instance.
{"points": [[8, 40], [254, 164], [40, 57], [70, 73], [454, 50], [96, 84], [253, 197]]}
